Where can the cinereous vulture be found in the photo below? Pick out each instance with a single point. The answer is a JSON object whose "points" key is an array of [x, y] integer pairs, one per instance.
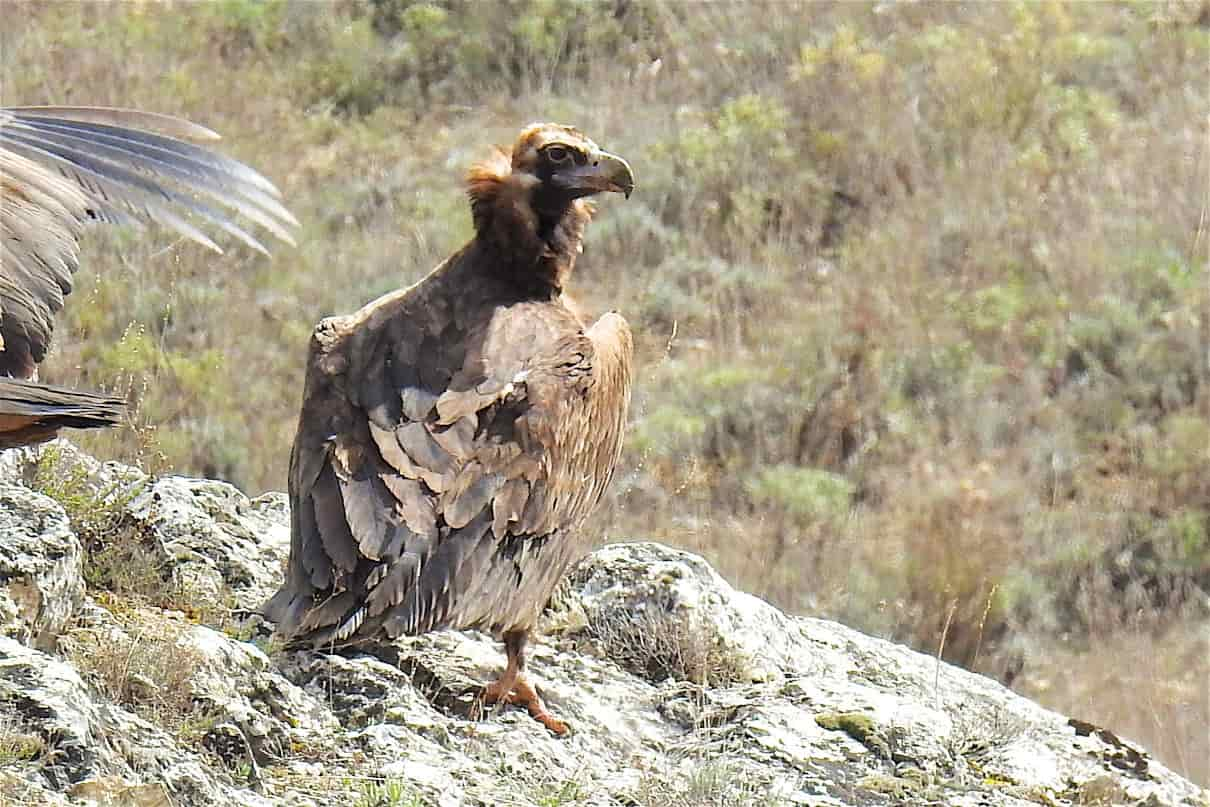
{"points": [[63, 168], [455, 435]]}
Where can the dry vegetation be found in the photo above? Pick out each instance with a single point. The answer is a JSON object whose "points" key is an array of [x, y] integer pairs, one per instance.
{"points": [[145, 666], [714, 782], [921, 288], [657, 645], [122, 564]]}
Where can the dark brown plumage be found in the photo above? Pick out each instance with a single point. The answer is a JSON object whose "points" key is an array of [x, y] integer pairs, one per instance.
{"points": [[32, 413], [62, 168], [456, 434]]}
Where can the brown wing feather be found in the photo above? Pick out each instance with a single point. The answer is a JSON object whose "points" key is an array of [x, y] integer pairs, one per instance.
{"points": [[331, 523], [62, 168], [506, 431], [31, 413]]}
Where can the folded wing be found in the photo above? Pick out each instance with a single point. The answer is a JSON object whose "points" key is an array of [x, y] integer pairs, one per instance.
{"points": [[444, 457]]}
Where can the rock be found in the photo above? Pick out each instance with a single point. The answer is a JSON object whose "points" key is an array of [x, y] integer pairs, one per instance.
{"points": [[112, 790], [41, 567], [216, 538], [216, 542], [236, 683], [679, 690], [61, 462], [90, 740]]}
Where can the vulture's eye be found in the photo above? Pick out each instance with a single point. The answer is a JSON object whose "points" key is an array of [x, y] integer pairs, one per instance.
{"points": [[558, 154]]}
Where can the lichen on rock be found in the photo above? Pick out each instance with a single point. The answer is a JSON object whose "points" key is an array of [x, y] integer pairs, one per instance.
{"points": [[41, 575]]}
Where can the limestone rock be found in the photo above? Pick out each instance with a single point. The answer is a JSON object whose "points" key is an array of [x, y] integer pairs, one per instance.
{"points": [[61, 460], [87, 738], [41, 575], [806, 711], [235, 682], [679, 690], [215, 537]]}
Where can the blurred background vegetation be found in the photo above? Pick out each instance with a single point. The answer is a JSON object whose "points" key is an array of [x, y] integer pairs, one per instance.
{"points": [[921, 288]]}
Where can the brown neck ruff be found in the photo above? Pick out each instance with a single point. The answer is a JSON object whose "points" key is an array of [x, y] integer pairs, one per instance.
{"points": [[536, 244]]}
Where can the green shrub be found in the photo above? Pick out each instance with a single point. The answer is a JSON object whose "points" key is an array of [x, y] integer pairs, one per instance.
{"points": [[804, 494]]}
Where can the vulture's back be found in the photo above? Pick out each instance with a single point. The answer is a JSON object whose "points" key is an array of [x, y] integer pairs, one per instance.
{"points": [[453, 436]]}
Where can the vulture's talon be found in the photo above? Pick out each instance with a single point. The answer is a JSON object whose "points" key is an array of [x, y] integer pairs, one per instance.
{"points": [[556, 726], [523, 693], [494, 693]]}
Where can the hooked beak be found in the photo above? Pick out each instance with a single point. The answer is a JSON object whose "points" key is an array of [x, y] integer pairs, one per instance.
{"points": [[603, 172]]}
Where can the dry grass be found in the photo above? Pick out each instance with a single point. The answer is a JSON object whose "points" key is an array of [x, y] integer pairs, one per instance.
{"points": [[921, 289], [657, 645], [124, 567], [18, 744], [388, 793], [1139, 684], [146, 668], [714, 782], [21, 750]]}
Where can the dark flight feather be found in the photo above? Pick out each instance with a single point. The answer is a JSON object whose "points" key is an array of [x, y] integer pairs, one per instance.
{"points": [[32, 413], [65, 168], [332, 523]]}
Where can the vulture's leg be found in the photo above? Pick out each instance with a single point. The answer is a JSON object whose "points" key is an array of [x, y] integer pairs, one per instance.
{"points": [[513, 687]]}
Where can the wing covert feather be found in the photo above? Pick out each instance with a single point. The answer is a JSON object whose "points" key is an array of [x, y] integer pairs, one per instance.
{"points": [[416, 507]]}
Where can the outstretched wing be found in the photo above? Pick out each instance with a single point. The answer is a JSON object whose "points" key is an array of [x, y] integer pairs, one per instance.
{"points": [[445, 455], [62, 168]]}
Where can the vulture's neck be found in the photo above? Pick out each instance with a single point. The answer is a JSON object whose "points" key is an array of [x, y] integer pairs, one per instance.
{"points": [[533, 239]]}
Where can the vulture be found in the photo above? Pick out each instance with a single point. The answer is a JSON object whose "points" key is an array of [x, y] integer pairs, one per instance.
{"points": [[455, 435], [65, 167]]}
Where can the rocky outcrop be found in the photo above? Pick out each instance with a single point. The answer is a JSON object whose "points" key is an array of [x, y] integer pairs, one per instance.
{"points": [[679, 690], [41, 568]]}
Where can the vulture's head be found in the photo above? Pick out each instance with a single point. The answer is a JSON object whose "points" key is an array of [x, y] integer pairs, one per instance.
{"points": [[525, 197], [563, 164]]}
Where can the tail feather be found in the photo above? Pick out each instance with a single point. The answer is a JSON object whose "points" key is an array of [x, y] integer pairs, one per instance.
{"points": [[33, 413]]}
